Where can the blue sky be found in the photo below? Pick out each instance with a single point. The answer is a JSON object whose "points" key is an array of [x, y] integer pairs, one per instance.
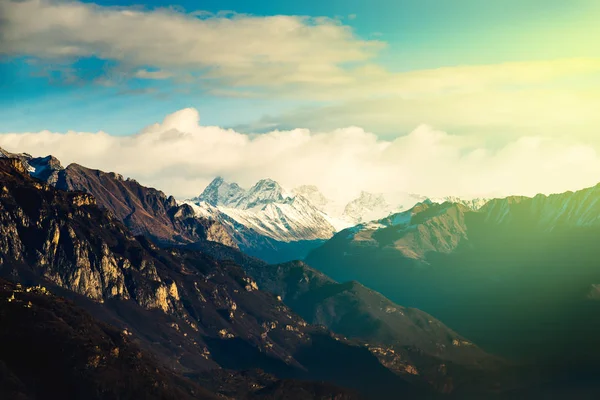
{"points": [[425, 34], [437, 97]]}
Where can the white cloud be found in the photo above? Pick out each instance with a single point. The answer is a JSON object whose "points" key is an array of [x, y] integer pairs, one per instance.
{"points": [[245, 49], [314, 58], [180, 156]]}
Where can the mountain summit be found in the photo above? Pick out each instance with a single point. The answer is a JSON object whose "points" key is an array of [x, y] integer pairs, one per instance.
{"points": [[265, 191], [266, 209], [221, 193], [225, 194]]}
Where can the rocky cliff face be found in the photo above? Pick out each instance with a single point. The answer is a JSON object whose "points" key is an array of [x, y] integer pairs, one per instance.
{"points": [[43, 168], [192, 312], [65, 238], [57, 350], [146, 211]]}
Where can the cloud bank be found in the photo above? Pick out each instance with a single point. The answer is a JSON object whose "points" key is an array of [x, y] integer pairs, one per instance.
{"points": [[320, 58], [317, 62], [180, 156], [242, 50]]}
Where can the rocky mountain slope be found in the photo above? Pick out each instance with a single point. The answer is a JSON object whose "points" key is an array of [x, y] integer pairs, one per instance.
{"points": [[412, 343], [264, 221], [192, 312], [201, 305], [268, 222], [58, 350], [518, 276], [146, 211]]}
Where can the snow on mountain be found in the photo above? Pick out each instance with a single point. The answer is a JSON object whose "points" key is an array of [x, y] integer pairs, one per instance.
{"points": [[367, 207], [332, 210], [373, 206], [303, 213], [266, 208], [293, 219], [219, 192], [44, 168], [264, 192], [473, 204], [314, 195]]}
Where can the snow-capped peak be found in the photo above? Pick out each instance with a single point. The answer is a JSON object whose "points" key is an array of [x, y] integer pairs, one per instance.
{"points": [[265, 191], [266, 208], [303, 214], [221, 193], [231, 195], [473, 204], [367, 207], [313, 195]]}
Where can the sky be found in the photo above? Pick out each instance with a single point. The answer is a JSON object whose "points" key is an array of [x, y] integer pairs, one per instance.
{"points": [[435, 97]]}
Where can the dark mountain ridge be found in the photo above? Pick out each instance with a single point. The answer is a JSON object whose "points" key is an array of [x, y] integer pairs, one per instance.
{"points": [[145, 211], [60, 351], [518, 277], [192, 312], [409, 341]]}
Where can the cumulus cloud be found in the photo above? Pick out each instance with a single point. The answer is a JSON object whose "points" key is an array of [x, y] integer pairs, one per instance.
{"points": [[244, 49], [180, 156], [314, 58]]}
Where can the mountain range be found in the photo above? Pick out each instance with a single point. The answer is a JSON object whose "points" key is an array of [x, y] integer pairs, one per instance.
{"points": [[187, 304], [519, 276], [270, 222], [191, 312], [515, 277]]}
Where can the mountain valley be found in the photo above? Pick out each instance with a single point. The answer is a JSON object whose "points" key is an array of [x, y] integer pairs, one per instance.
{"points": [[191, 307]]}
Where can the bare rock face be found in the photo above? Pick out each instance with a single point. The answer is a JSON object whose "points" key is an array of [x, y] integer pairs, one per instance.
{"points": [[43, 168], [56, 232], [57, 350], [191, 311], [46, 168], [146, 211]]}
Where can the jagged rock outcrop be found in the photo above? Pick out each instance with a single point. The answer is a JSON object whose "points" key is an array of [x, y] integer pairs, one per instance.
{"points": [[192, 312], [146, 211], [43, 168], [57, 350]]}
